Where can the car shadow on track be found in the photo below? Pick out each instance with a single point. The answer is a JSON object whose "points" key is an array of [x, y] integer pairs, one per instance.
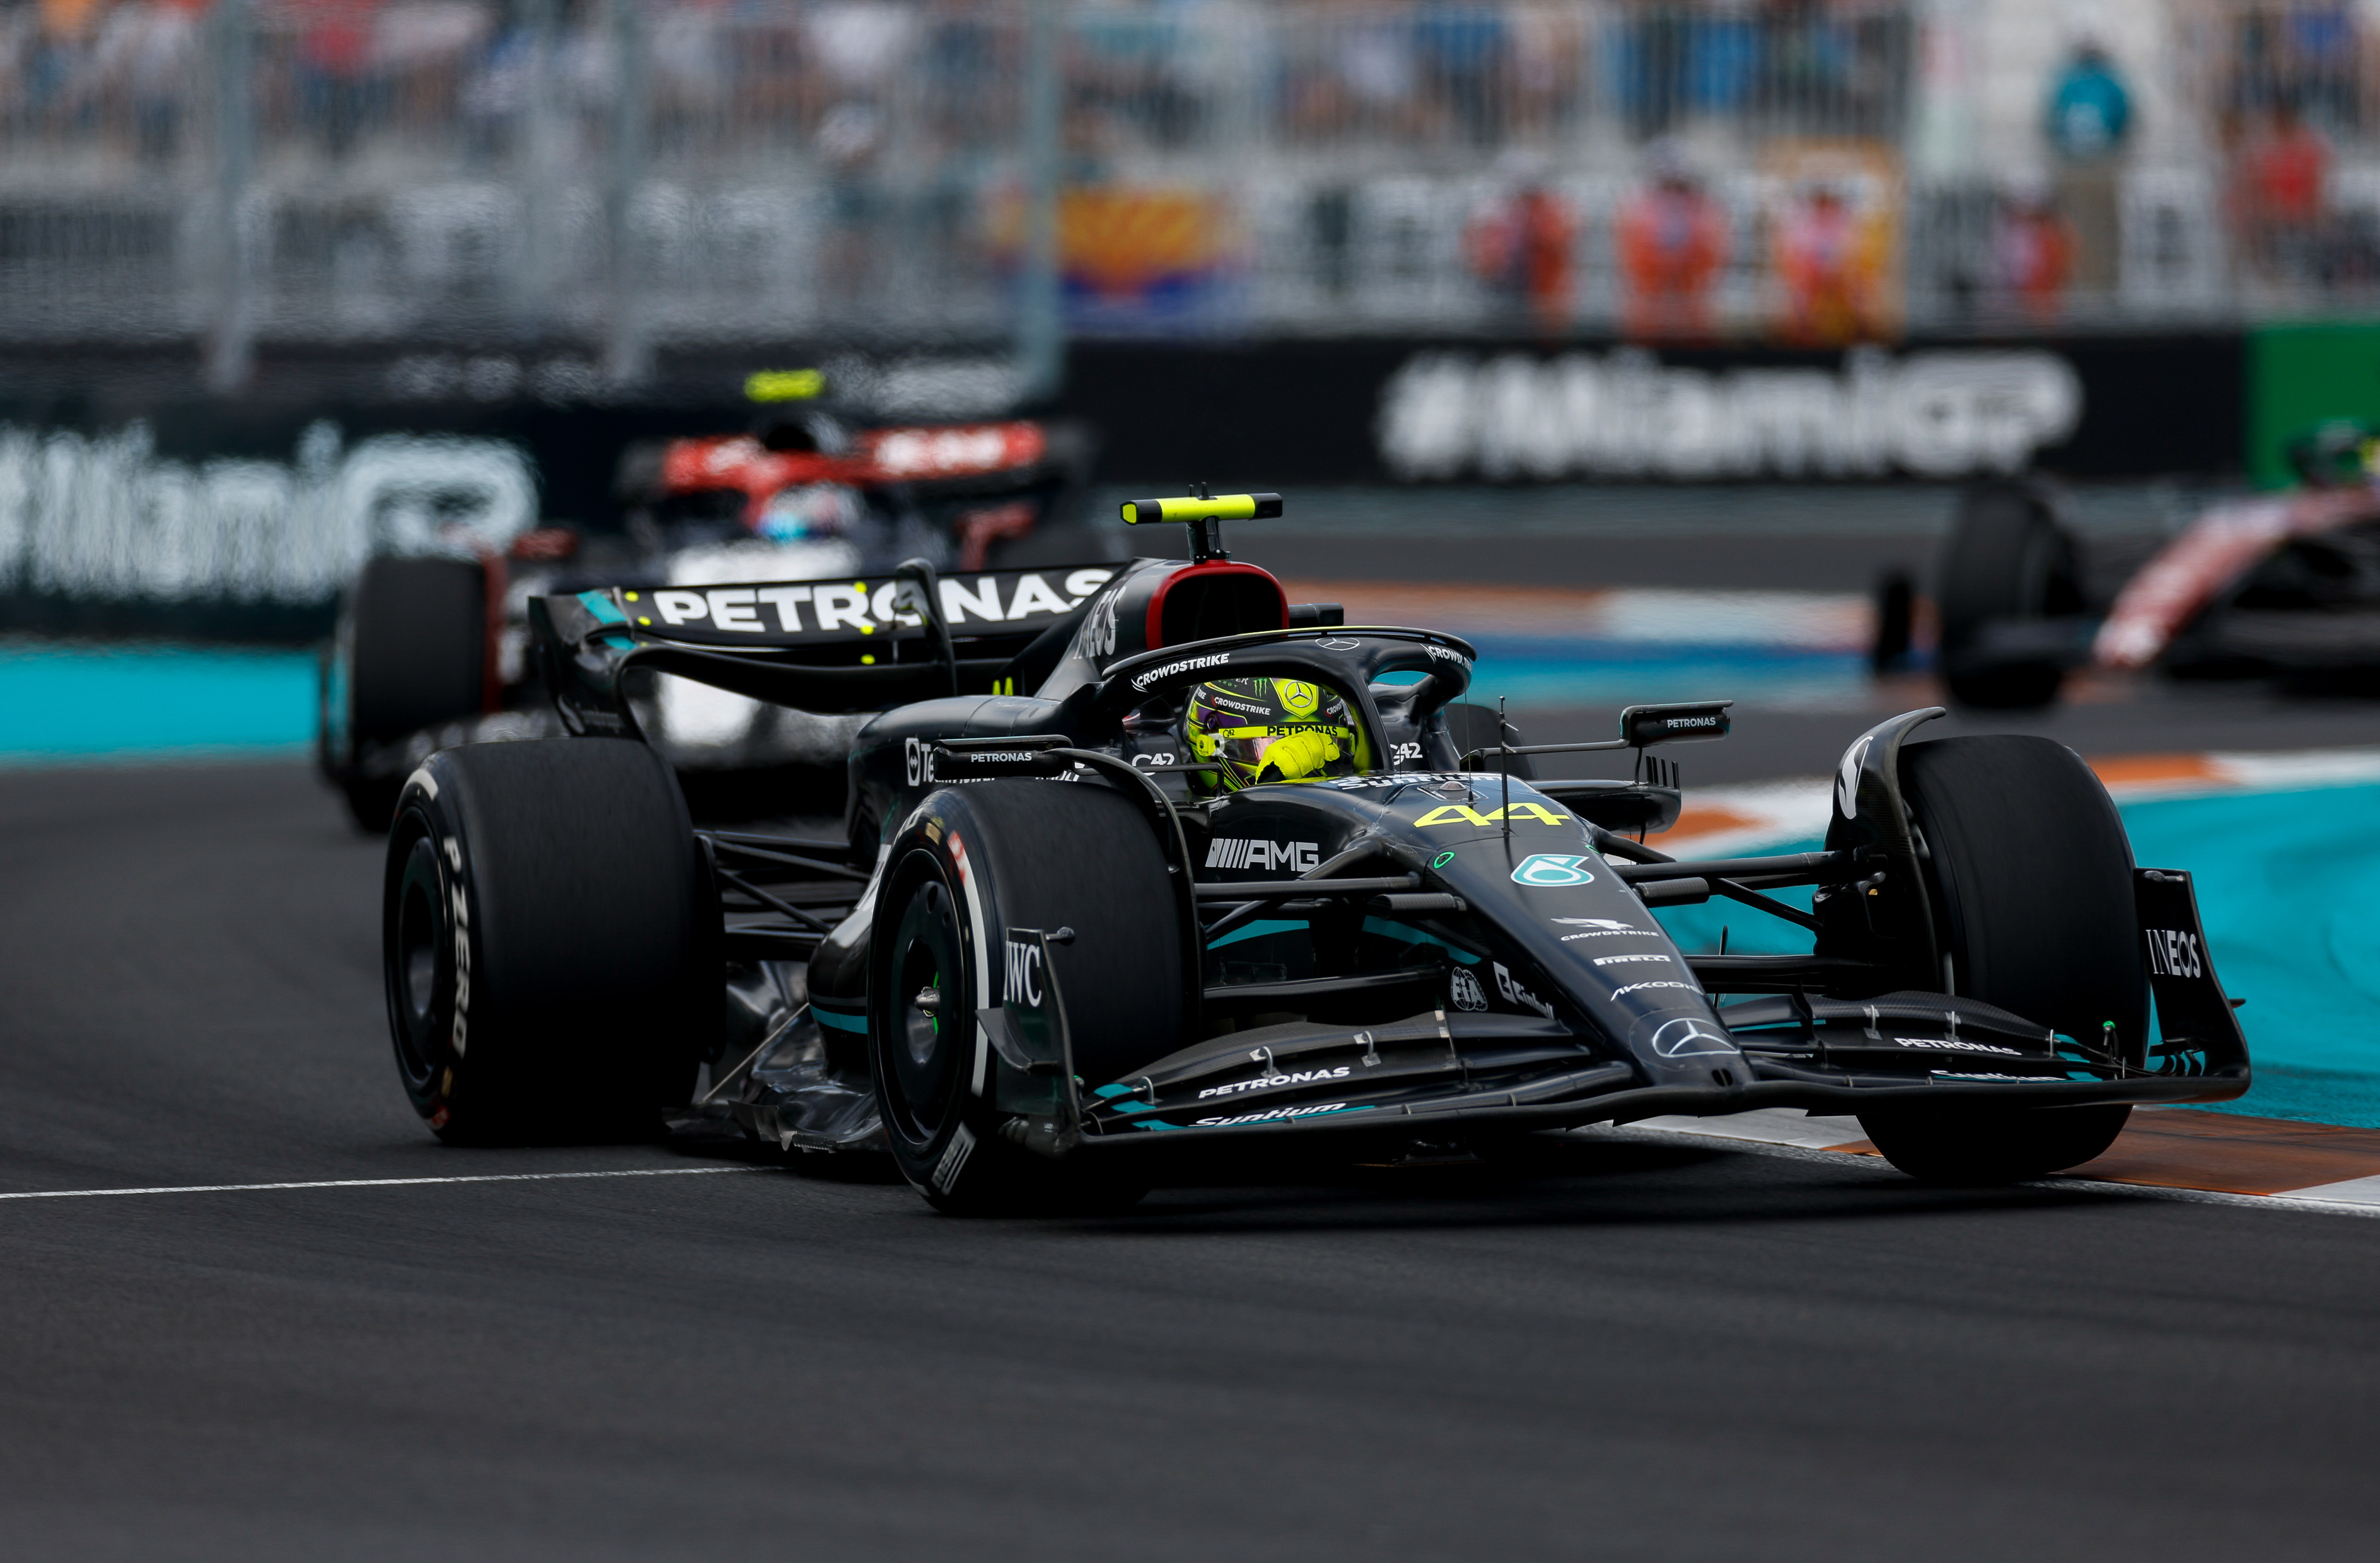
{"points": [[1568, 1182]]}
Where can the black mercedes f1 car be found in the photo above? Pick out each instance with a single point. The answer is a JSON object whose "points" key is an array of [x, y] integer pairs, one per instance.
{"points": [[1058, 957]]}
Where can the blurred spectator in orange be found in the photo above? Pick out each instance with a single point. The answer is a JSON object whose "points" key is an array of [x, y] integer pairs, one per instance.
{"points": [[1671, 237], [55, 80], [1829, 261], [70, 18], [1520, 247], [2282, 176], [2033, 249]]}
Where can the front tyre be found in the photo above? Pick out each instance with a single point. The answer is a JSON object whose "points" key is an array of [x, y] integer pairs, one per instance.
{"points": [[969, 864], [2033, 893], [550, 942]]}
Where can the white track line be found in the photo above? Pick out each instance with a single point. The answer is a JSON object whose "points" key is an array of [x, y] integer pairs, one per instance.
{"points": [[382, 1183]]}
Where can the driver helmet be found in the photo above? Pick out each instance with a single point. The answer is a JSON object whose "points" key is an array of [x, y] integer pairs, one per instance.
{"points": [[1269, 729], [2335, 454]]}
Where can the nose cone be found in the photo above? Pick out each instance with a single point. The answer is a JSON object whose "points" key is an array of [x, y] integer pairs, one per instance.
{"points": [[1559, 902]]}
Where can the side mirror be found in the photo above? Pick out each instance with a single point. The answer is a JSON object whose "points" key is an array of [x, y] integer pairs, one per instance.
{"points": [[1641, 727]]}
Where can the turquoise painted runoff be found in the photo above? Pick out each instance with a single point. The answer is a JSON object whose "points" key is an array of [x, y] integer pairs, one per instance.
{"points": [[2286, 885], [63, 703], [1562, 673]]}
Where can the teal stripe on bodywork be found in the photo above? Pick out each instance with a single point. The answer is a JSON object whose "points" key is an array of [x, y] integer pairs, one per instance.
{"points": [[599, 603], [840, 1021], [1386, 929], [1261, 928]]}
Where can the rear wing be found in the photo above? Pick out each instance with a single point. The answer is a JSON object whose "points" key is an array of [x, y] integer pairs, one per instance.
{"points": [[843, 645]]}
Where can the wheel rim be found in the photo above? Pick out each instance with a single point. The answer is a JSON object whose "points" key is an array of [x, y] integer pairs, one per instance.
{"points": [[421, 960], [920, 1045]]}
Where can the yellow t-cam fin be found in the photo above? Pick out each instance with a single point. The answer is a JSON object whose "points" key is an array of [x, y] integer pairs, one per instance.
{"points": [[784, 385], [1222, 507]]}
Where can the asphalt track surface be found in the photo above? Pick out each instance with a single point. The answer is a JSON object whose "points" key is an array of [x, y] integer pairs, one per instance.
{"points": [[1656, 1352]]}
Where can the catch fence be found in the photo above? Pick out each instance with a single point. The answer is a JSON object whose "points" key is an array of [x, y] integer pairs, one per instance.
{"points": [[605, 177]]}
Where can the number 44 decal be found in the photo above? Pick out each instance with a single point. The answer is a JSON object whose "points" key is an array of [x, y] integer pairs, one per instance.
{"points": [[1463, 814]]}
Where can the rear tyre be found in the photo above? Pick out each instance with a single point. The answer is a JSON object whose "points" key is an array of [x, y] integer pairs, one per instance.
{"points": [[2008, 559], [412, 654], [992, 856], [550, 942], [2032, 897]]}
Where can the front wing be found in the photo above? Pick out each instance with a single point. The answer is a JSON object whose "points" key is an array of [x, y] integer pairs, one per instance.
{"points": [[1437, 1073]]}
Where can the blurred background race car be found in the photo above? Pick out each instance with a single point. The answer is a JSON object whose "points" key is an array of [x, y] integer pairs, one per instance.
{"points": [[430, 643], [2285, 586]]}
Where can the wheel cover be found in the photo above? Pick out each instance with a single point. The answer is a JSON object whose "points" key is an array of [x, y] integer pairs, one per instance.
{"points": [[921, 1050], [420, 963]]}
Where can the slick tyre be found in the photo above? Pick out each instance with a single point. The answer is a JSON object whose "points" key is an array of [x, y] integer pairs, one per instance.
{"points": [[412, 654], [2008, 561], [550, 942], [2032, 900], [968, 865]]}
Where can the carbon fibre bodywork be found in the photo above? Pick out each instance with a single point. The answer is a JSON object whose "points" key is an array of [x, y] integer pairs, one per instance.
{"points": [[704, 513], [1417, 949]]}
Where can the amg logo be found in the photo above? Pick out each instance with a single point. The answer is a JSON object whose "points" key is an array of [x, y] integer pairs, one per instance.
{"points": [[1271, 1082], [2174, 952], [1023, 984], [1623, 959], [1235, 852]]}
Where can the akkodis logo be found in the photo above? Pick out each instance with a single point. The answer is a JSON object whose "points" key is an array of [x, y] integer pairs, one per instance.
{"points": [[1548, 870]]}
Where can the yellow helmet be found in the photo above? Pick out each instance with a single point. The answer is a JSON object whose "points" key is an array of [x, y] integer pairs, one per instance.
{"points": [[1270, 730]]}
